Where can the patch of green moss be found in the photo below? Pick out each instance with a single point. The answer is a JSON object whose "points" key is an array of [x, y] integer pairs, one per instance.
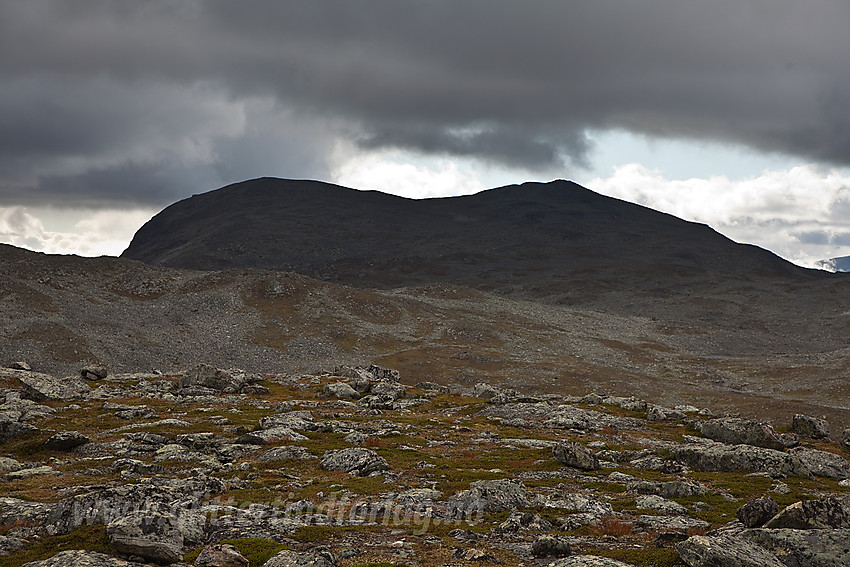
{"points": [[89, 538]]}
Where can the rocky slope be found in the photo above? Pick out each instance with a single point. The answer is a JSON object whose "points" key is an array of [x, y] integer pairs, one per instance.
{"points": [[352, 468]]}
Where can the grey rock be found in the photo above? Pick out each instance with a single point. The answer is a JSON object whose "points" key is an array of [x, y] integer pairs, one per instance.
{"points": [[8, 464], [284, 453], [832, 512], [575, 455], [31, 472], [571, 417], [217, 379], [43, 387], [94, 372], [629, 404], [10, 429], [756, 513], [432, 387], [659, 504], [177, 453], [148, 534], [489, 496], [580, 503], [588, 561], [392, 389], [525, 521], [339, 390], [670, 523], [808, 426], [713, 456], [13, 510], [65, 441], [473, 554], [356, 461], [822, 463], [79, 558], [20, 365], [220, 555], [294, 559], [681, 489], [485, 391], [724, 550], [845, 438], [550, 546], [804, 548], [660, 413], [270, 436], [300, 420], [738, 431]]}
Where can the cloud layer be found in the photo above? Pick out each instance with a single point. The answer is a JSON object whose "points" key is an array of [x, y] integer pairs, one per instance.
{"points": [[117, 103]]}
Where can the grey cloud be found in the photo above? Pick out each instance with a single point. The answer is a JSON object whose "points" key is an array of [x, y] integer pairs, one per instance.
{"points": [[518, 84]]}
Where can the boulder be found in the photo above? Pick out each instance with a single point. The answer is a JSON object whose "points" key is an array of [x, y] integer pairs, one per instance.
{"points": [[823, 463], [845, 438], [355, 461], [571, 417], [339, 390], [94, 372], [588, 561], [832, 512], [65, 441], [485, 391], [660, 504], [724, 550], [550, 546], [713, 456], [10, 429], [284, 453], [575, 455], [148, 534], [525, 521], [221, 555], [80, 558], [660, 413], [804, 548], [294, 559], [489, 496], [808, 426], [270, 436], [217, 379], [738, 431], [756, 512], [20, 365], [43, 387]]}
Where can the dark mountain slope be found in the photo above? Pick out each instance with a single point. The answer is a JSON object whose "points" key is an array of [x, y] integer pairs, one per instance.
{"points": [[530, 240]]}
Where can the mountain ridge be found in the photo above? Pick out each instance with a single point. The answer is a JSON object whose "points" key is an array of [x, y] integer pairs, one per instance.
{"points": [[499, 239]]}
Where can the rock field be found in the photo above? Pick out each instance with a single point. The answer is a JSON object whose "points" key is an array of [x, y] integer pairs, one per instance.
{"points": [[354, 467]]}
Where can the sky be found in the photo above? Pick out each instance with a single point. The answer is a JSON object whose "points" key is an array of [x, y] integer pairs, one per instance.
{"points": [[734, 113]]}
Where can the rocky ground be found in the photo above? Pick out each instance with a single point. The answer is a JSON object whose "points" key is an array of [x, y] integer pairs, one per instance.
{"points": [[354, 467]]}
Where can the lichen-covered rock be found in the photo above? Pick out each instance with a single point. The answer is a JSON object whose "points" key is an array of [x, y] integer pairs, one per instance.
{"points": [[221, 555], [660, 504], [808, 426], [148, 534], [713, 456], [294, 559], [489, 496], [832, 512], [284, 453], [94, 372], [804, 548], [65, 441], [724, 550], [823, 463], [756, 512], [355, 461], [738, 431], [339, 390], [40, 387], [214, 378], [660, 413], [525, 521], [270, 436], [575, 455], [588, 561], [550, 546], [571, 417], [79, 558]]}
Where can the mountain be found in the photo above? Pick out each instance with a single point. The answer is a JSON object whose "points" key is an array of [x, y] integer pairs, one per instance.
{"points": [[540, 240], [840, 264]]}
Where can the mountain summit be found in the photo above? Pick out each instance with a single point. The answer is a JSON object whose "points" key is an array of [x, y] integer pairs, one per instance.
{"points": [[529, 240]]}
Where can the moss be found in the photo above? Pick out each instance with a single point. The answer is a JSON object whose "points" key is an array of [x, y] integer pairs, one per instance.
{"points": [[325, 534], [90, 538]]}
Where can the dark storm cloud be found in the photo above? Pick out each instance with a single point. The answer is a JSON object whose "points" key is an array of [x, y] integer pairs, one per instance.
{"points": [[90, 87]]}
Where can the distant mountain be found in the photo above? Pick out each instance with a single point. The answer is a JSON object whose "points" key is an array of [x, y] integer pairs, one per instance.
{"points": [[840, 264], [529, 240]]}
